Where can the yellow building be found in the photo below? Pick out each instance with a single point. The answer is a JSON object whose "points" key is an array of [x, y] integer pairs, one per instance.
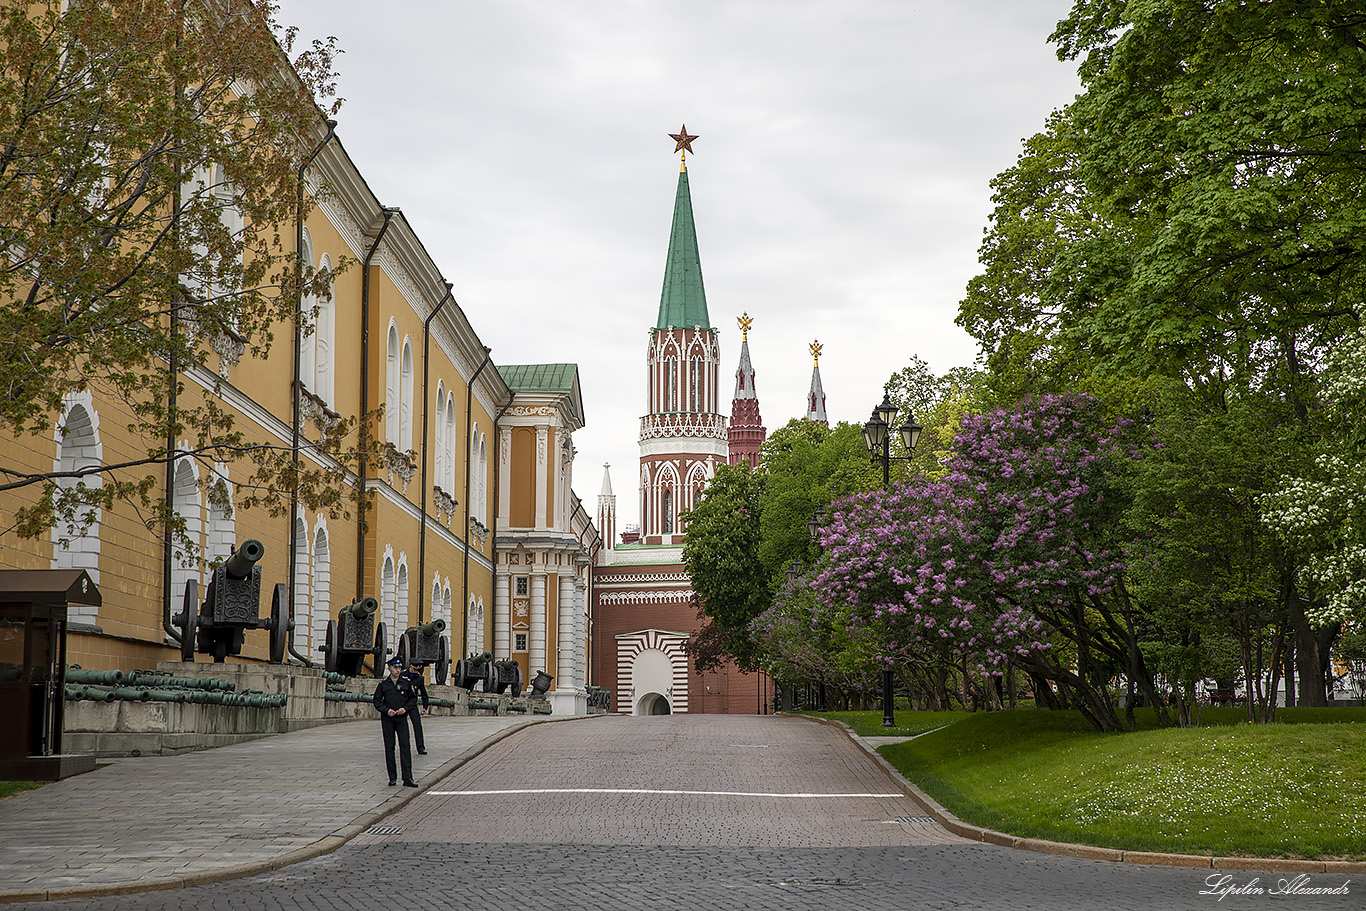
{"points": [[391, 342]]}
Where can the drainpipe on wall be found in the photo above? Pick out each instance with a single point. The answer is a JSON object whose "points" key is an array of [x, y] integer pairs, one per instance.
{"points": [[296, 385], [469, 457], [426, 378], [388, 214]]}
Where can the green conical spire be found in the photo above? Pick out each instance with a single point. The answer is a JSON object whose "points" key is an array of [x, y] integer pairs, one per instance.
{"points": [[683, 301]]}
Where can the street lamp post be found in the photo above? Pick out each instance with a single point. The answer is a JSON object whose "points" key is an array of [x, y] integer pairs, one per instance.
{"points": [[813, 528], [878, 439]]}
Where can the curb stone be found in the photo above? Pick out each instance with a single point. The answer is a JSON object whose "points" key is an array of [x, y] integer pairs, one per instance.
{"points": [[325, 845], [1003, 839]]}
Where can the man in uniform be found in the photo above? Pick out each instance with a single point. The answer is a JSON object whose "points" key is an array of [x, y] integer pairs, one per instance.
{"points": [[395, 700], [414, 675]]}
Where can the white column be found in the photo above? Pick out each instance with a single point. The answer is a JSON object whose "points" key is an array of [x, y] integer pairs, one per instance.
{"points": [[566, 673], [502, 612], [536, 645]]}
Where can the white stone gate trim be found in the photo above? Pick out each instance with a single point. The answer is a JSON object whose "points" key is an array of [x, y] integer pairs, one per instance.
{"points": [[629, 648]]}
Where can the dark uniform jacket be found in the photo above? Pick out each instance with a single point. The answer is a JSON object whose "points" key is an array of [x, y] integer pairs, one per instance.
{"points": [[419, 688], [395, 694]]}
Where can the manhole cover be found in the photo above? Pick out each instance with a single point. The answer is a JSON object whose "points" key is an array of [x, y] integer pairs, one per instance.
{"points": [[915, 819], [383, 830]]}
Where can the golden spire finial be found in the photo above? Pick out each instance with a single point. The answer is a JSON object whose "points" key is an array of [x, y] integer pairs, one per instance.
{"points": [[816, 352], [745, 322]]}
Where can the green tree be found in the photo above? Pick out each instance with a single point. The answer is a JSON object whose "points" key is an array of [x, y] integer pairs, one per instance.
{"points": [[148, 159], [805, 466], [721, 552]]}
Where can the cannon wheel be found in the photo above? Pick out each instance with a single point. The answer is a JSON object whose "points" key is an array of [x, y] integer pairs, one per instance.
{"points": [[443, 663], [280, 623], [331, 648], [189, 621], [517, 682], [404, 651], [381, 648], [490, 677]]}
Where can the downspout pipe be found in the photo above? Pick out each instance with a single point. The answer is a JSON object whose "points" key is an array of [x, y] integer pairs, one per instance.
{"points": [[469, 457], [297, 384], [388, 214], [426, 407]]}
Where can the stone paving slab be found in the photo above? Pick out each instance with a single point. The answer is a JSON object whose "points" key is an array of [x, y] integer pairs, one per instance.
{"points": [[685, 780], [250, 806]]}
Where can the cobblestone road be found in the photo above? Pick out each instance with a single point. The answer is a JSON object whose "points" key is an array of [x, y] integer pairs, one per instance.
{"points": [[622, 813]]}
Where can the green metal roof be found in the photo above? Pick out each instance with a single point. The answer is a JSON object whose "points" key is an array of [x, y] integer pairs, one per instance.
{"points": [[549, 378], [683, 301]]}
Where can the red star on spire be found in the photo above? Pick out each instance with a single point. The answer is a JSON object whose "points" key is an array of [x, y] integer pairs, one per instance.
{"points": [[683, 139]]}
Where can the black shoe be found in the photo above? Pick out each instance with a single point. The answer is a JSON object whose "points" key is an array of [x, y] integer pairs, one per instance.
{"points": [[410, 784], [422, 752], [393, 782]]}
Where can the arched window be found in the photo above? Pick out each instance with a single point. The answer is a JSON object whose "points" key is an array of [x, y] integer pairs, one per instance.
{"points": [[322, 587], [405, 421], [471, 508], [667, 510], [308, 331], [391, 387], [474, 642], [671, 384], [442, 608], [436, 593], [388, 597], [186, 503], [220, 534], [450, 443], [403, 617], [301, 593], [695, 385], [326, 337], [441, 435], [76, 538], [483, 482]]}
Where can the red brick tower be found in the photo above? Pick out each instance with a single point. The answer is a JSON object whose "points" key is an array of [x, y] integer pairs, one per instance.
{"points": [[747, 432]]}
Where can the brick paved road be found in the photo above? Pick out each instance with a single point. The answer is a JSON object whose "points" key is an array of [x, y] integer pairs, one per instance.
{"points": [[553, 846]]}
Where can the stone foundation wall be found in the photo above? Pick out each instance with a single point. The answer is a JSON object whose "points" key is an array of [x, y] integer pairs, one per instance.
{"points": [[132, 728]]}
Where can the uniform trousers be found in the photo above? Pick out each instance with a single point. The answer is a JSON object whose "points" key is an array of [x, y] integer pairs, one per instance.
{"points": [[396, 726], [418, 740]]}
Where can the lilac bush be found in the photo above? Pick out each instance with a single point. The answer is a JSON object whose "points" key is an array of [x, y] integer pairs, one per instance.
{"points": [[1012, 553]]}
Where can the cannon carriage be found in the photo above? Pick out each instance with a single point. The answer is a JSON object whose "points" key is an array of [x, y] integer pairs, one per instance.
{"points": [[352, 637], [218, 626], [474, 671], [426, 644]]}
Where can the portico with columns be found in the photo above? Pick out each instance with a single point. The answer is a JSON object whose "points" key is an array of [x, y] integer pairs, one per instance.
{"points": [[545, 539]]}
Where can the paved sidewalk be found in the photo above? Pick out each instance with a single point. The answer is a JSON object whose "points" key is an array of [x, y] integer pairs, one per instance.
{"points": [[167, 821]]}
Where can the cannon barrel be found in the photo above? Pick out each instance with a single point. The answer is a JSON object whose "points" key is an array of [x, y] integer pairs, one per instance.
{"points": [[362, 608], [240, 564], [431, 627]]}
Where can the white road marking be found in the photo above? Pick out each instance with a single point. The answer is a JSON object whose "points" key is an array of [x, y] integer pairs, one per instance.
{"points": [[647, 791]]}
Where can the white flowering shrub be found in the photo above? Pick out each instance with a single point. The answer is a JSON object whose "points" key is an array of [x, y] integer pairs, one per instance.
{"points": [[1324, 515]]}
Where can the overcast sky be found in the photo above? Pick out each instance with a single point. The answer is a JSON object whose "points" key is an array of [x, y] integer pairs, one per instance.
{"points": [[840, 184]]}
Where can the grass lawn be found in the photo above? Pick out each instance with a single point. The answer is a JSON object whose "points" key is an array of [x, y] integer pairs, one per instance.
{"points": [[1295, 789], [10, 788], [908, 724]]}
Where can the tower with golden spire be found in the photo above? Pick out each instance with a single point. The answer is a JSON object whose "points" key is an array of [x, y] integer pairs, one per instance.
{"points": [[746, 432], [815, 397]]}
